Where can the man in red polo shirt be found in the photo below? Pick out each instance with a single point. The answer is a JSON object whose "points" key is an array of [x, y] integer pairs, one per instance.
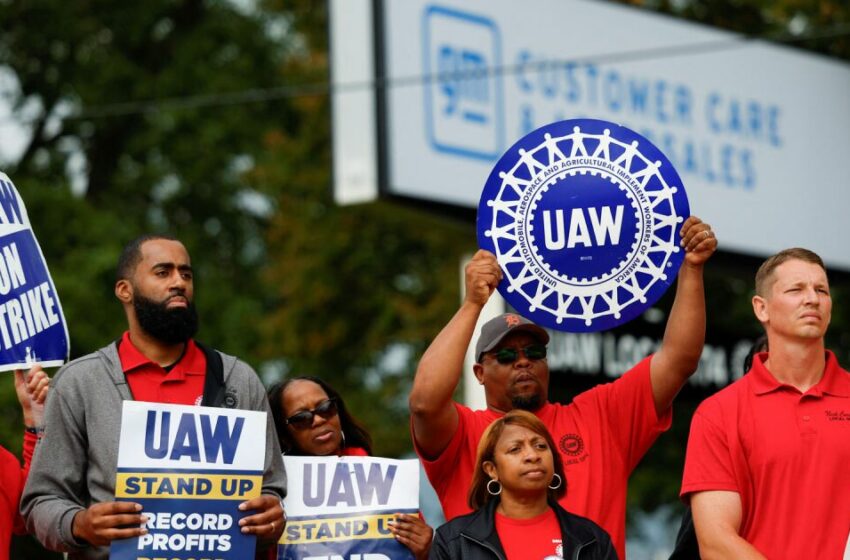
{"points": [[601, 435], [68, 501], [766, 471]]}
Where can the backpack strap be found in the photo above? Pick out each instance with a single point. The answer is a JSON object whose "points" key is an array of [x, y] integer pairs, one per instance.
{"points": [[214, 389]]}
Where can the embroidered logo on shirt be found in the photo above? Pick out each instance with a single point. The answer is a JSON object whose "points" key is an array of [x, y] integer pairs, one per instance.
{"points": [[838, 415], [572, 444]]}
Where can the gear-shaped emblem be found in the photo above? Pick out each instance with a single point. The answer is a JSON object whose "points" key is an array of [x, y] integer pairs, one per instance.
{"points": [[584, 218]]}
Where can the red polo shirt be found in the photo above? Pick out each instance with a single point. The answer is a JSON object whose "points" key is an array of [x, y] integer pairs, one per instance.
{"points": [[150, 382], [785, 453]]}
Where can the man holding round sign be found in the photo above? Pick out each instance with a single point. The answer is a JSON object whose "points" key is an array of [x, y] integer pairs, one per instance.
{"points": [[579, 222]]}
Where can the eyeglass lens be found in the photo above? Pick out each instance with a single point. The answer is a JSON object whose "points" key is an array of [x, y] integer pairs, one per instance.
{"points": [[510, 355], [304, 419]]}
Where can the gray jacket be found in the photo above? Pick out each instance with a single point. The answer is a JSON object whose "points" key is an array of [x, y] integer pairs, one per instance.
{"points": [[74, 465]]}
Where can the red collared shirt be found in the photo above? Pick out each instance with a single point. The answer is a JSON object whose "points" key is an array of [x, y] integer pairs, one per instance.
{"points": [[785, 453], [149, 382]]}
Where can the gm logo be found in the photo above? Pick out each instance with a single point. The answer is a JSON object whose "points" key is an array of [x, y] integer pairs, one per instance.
{"points": [[463, 97], [584, 218]]}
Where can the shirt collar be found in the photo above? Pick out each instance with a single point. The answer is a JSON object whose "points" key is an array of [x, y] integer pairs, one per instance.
{"points": [[132, 358], [835, 381]]}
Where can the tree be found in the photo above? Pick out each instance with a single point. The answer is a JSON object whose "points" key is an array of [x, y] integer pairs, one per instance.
{"points": [[359, 290], [111, 153], [815, 25]]}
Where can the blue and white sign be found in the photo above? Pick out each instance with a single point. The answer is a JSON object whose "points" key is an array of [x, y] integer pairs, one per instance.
{"points": [[340, 507], [189, 467], [584, 218], [462, 105], [32, 326], [462, 79]]}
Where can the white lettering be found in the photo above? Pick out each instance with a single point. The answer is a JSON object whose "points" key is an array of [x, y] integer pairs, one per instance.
{"points": [[578, 230]]}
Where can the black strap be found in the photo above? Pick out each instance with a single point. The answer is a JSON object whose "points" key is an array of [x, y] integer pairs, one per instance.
{"points": [[214, 389]]}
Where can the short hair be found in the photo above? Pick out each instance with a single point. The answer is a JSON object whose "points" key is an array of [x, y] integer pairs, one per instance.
{"points": [[478, 494], [764, 276], [131, 254], [355, 434]]}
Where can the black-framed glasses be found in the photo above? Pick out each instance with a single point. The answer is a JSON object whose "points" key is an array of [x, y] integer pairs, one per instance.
{"points": [[509, 355], [304, 419]]}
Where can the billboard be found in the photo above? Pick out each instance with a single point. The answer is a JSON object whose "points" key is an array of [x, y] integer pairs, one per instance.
{"points": [[756, 131]]}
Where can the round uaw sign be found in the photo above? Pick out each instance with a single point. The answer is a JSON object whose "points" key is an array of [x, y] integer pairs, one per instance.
{"points": [[584, 218]]}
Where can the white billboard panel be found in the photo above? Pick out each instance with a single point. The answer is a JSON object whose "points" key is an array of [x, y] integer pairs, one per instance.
{"points": [[759, 133], [354, 119]]}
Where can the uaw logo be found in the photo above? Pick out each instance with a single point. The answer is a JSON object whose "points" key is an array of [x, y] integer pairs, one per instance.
{"points": [[571, 444], [584, 218], [463, 97]]}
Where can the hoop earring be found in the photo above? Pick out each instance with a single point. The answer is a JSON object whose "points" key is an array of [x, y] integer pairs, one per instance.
{"points": [[490, 491], [342, 436], [553, 480]]}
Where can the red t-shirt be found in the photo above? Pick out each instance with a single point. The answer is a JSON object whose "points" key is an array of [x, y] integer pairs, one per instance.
{"points": [[786, 453], [12, 479], [530, 539], [353, 452], [601, 436], [149, 382]]}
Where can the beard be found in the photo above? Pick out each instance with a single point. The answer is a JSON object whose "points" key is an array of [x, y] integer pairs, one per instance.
{"points": [[527, 402], [169, 326]]}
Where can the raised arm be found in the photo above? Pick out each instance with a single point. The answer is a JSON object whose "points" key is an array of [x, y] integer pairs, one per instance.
{"points": [[433, 415], [684, 336], [717, 520], [31, 389]]}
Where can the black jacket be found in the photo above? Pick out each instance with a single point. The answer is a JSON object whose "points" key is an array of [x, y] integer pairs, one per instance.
{"points": [[473, 537], [687, 547]]}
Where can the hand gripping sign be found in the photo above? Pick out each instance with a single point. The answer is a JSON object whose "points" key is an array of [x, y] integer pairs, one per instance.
{"points": [[584, 217], [32, 326], [189, 467], [340, 507]]}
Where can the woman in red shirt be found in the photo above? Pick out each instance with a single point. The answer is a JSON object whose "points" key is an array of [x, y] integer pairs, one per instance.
{"points": [[516, 486], [311, 419]]}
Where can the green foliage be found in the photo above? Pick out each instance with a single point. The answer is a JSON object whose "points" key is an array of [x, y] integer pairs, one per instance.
{"points": [[815, 25], [147, 164], [282, 273], [110, 155], [350, 283]]}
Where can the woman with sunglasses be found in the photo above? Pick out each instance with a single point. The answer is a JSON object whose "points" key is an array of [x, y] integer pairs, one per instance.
{"points": [[311, 419], [514, 496]]}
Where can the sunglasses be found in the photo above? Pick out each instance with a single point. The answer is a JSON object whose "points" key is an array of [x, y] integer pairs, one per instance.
{"points": [[304, 419], [510, 355]]}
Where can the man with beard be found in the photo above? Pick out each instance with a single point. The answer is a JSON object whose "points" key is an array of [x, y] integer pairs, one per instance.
{"points": [[601, 435], [68, 501]]}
